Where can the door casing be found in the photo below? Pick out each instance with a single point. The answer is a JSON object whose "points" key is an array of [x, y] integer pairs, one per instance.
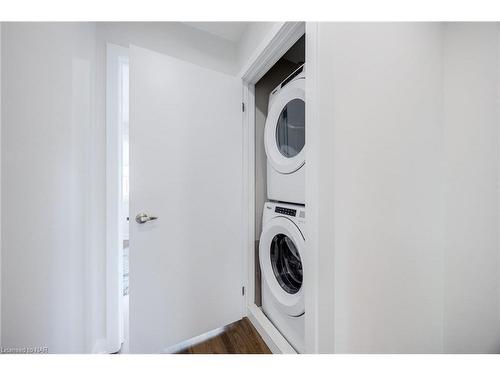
{"points": [[114, 231]]}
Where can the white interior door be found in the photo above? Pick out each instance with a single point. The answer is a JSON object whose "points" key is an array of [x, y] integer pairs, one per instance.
{"points": [[185, 168]]}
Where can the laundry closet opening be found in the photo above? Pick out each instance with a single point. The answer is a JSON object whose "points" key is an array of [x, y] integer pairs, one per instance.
{"points": [[279, 238]]}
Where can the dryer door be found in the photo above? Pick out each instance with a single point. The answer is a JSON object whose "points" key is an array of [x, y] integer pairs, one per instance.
{"points": [[285, 128], [281, 253]]}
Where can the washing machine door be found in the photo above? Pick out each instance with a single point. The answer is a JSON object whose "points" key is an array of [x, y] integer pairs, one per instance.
{"points": [[284, 134], [281, 250]]}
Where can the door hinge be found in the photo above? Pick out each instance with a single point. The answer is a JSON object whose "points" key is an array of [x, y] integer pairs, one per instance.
{"points": [[242, 107], [242, 290]]}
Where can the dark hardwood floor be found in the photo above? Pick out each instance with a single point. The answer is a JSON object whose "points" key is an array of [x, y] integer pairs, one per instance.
{"points": [[238, 338]]}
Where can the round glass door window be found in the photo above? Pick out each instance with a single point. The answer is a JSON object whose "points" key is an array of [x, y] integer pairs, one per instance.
{"points": [[290, 130], [286, 263]]}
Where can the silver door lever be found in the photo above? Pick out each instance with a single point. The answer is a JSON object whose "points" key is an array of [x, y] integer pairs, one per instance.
{"points": [[144, 218]]}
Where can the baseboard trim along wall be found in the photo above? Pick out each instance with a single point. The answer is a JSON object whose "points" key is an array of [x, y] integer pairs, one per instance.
{"points": [[194, 341], [271, 336]]}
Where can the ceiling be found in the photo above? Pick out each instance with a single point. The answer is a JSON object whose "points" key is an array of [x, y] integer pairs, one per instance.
{"points": [[231, 31]]}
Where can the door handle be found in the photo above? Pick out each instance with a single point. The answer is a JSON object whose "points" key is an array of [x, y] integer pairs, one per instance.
{"points": [[144, 218]]}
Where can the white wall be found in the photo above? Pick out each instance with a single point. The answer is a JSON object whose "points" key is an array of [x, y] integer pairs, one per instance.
{"points": [[47, 110], [471, 102], [386, 100], [252, 38], [408, 187], [175, 39]]}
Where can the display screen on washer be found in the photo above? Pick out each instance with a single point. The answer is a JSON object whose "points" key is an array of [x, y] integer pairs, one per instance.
{"points": [[285, 211], [290, 129], [286, 263]]}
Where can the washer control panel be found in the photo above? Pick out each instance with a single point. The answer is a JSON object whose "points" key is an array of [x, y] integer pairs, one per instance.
{"points": [[285, 211]]}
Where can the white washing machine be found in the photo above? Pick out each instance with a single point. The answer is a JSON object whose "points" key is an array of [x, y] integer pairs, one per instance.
{"points": [[281, 253], [284, 140]]}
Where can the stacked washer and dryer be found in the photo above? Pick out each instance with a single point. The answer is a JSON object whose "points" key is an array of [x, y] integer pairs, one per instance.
{"points": [[282, 242]]}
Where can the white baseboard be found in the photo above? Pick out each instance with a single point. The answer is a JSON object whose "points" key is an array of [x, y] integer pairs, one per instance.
{"points": [[100, 347], [269, 333], [271, 336], [194, 341]]}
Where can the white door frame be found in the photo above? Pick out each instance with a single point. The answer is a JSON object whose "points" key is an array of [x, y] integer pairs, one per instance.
{"points": [[114, 217], [277, 42], [319, 279]]}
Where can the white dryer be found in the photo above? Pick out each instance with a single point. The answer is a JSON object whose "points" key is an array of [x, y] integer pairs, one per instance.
{"points": [[281, 253], [284, 140]]}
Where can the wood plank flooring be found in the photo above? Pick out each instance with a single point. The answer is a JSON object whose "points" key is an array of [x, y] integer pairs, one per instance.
{"points": [[238, 338]]}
